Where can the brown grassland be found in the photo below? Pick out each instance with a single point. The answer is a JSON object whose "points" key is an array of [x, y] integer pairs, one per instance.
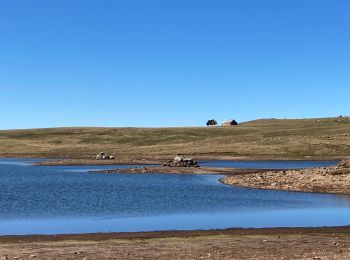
{"points": [[265, 139]]}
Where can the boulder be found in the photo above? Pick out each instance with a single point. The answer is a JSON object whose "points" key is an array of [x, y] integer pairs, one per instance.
{"points": [[181, 161], [178, 159], [103, 156]]}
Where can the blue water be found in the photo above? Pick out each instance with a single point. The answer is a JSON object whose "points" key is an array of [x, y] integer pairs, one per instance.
{"points": [[267, 164], [57, 200]]}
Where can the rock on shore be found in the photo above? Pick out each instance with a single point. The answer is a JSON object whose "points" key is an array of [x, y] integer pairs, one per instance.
{"points": [[181, 161]]}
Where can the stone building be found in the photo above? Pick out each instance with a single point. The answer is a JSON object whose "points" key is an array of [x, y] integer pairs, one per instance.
{"points": [[231, 122]]}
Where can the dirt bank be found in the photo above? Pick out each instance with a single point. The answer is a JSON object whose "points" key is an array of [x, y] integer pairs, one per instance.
{"points": [[334, 179], [280, 243]]}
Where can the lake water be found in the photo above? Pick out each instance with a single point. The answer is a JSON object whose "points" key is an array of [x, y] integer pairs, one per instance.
{"points": [[268, 164], [68, 199]]}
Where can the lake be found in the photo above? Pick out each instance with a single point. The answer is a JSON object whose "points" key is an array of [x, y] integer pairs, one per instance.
{"points": [[68, 199]]}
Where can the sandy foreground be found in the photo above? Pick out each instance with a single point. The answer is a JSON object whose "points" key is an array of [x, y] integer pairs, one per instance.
{"points": [[283, 243]]}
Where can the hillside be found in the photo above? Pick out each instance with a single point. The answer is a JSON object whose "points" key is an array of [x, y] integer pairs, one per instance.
{"points": [[268, 138]]}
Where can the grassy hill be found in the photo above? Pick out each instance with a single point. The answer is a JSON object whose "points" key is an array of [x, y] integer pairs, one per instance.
{"points": [[268, 138]]}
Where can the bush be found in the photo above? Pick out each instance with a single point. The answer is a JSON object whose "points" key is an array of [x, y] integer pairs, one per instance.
{"points": [[212, 122]]}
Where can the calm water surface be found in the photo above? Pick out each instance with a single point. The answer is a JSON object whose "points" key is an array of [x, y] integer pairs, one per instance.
{"points": [[268, 164], [53, 200]]}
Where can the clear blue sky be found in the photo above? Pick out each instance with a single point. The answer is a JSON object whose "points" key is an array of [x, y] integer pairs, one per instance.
{"points": [[171, 63]]}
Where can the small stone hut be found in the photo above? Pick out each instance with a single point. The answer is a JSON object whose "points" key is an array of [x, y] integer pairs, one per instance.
{"points": [[231, 122]]}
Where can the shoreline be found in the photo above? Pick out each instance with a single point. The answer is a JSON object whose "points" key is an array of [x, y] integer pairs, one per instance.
{"points": [[318, 190], [330, 180], [80, 162], [277, 243], [59, 161], [175, 233], [318, 180]]}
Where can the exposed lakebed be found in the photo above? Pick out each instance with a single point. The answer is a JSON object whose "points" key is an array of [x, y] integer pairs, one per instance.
{"points": [[68, 199]]}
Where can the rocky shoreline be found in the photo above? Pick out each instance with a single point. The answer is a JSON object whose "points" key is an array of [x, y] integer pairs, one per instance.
{"points": [[334, 179]]}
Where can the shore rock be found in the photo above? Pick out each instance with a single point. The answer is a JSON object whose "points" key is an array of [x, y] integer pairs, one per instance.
{"points": [[181, 161], [103, 156]]}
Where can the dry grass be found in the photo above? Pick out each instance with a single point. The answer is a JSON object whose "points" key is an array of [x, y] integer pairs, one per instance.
{"points": [[292, 139]]}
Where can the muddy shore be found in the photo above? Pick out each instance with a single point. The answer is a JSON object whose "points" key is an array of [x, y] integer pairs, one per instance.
{"points": [[277, 243]]}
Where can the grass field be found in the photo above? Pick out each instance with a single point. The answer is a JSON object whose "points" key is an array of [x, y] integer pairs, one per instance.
{"points": [[268, 138]]}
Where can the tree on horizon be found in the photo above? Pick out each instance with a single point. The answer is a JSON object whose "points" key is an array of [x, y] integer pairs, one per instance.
{"points": [[212, 122]]}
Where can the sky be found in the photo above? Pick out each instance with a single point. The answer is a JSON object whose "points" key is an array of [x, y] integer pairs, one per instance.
{"points": [[171, 63]]}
